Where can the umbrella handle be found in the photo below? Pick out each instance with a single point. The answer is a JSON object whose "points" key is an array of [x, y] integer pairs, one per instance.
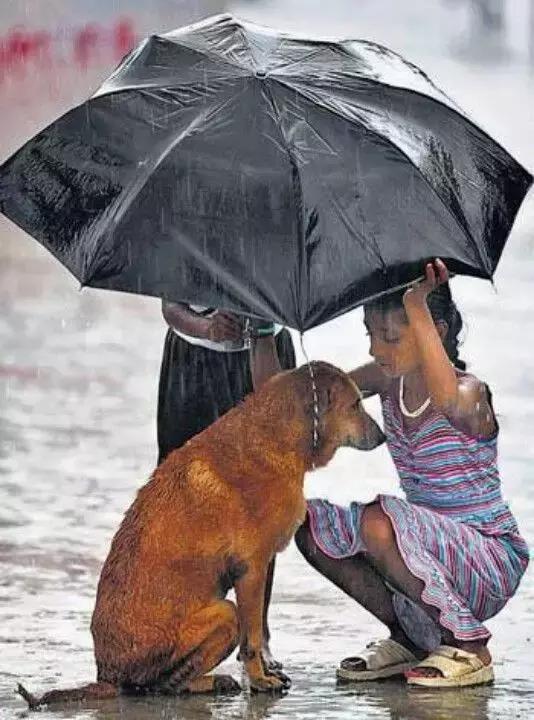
{"points": [[413, 283], [390, 291], [419, 279]]}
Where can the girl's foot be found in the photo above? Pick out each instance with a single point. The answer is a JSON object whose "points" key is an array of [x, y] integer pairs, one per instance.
{"points": [[381, 659], [478, 649], [357, 663]]}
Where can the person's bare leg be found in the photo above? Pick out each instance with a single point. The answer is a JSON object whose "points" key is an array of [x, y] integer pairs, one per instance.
{"points": [[268, 659], [360, 581], [379, 538]]}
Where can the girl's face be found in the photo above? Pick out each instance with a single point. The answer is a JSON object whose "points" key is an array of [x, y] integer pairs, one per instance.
{"points": [[392, 342]]}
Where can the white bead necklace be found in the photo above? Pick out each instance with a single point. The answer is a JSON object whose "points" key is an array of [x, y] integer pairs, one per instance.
{"points": [[414, 413]]}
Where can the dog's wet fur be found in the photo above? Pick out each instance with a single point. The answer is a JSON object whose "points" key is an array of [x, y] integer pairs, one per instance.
{"points": [[212, 517]]}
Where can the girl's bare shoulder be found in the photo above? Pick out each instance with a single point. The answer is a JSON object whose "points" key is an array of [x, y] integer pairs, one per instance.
{"points": [[470, 387], [473, 412]]}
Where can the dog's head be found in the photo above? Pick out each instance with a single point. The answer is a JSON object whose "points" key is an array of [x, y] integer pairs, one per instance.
{"points": [[332, 412]]}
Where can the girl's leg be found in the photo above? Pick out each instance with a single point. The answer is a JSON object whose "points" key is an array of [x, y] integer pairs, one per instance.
{"points": [[360, 580], [379, 538]]}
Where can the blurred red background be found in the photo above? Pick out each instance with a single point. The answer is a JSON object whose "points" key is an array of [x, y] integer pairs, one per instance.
{"points": [[55, 53]]}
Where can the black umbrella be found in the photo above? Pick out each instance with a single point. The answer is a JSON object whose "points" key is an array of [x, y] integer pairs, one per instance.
{"points": [[227, 165]]}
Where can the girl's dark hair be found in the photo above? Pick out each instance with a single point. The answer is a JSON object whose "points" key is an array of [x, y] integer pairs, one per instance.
{"points": [[442, 308]]}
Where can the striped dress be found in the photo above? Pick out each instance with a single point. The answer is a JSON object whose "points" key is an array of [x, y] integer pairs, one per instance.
{"points": [[453, 530]]}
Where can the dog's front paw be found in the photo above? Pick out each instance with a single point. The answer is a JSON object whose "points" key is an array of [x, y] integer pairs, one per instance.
{"points": [[269, 663], [285, 679], [268, 684]]}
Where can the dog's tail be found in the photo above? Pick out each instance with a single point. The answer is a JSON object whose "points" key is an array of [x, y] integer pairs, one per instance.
{"points": [[93, 691]]}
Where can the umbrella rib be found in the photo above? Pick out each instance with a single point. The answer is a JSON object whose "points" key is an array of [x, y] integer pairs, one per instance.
{"points": [[127, 197], [239, 288], [128, 60], [341, 47], [104, 90], [216, 59], [374, 244], [300, 60], [297, 187], [412, 91], [465, 232], [246, 43], [374, 249]]}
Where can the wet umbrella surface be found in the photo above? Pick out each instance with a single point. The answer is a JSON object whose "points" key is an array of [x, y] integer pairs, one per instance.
{"points": [[227, 165]]}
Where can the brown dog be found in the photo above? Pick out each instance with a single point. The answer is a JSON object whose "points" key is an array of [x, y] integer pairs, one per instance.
{"points": [[212, 517]]}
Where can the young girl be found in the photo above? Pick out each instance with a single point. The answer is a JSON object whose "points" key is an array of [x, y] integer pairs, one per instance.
{"points": [[452, 548]]}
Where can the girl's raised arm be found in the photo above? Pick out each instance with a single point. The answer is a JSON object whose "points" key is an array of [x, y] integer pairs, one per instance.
{"points": [[438, 370], [465, 400]]}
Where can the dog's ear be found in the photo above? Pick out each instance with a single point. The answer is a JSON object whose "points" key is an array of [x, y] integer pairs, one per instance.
{"points": [[320, 387], [321, 400], [325, 396]]}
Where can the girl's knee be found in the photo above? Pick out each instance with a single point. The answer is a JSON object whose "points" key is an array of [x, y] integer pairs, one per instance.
{"points": [[376, 529]]}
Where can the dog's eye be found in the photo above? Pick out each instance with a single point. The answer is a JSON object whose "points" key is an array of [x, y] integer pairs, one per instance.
{"points": [[356, 405]]}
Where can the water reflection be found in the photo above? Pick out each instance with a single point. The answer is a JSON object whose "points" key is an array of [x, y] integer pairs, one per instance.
{"points": [[389, 700], [403, 703]]}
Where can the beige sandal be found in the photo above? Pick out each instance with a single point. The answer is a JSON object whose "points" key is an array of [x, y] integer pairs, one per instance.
{"points": [[382, 658], [458, 668]]}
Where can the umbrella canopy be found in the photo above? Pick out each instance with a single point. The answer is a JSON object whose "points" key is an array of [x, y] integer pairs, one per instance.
{"points": [[227, 165]]}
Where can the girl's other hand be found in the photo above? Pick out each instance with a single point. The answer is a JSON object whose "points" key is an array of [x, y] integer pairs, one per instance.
{"points": [[436, 274]]}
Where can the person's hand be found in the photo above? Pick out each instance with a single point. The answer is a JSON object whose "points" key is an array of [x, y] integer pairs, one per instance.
{"points": [[224, 326], [436, 274]]}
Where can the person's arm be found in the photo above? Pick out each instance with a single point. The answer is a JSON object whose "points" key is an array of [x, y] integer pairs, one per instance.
{"points": [[218, 327], [464, 399], [370, 379], [264, 361], [439, 373]]}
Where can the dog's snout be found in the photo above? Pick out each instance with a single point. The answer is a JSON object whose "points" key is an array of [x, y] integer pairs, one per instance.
{"points": [[371, 441], [369, 437], [372, 436]]}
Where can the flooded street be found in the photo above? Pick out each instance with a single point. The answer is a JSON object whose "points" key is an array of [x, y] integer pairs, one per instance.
{"points": [[78, 391]]}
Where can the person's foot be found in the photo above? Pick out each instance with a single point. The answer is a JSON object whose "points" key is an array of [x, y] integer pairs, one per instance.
{"points": [[357, 664], [478, 649]]}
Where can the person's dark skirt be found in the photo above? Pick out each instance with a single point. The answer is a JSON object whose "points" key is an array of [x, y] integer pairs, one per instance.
{"points": [[197, 386]]}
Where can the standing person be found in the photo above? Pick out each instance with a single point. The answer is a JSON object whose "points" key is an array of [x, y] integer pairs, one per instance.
{"points": [[206, 371]]}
